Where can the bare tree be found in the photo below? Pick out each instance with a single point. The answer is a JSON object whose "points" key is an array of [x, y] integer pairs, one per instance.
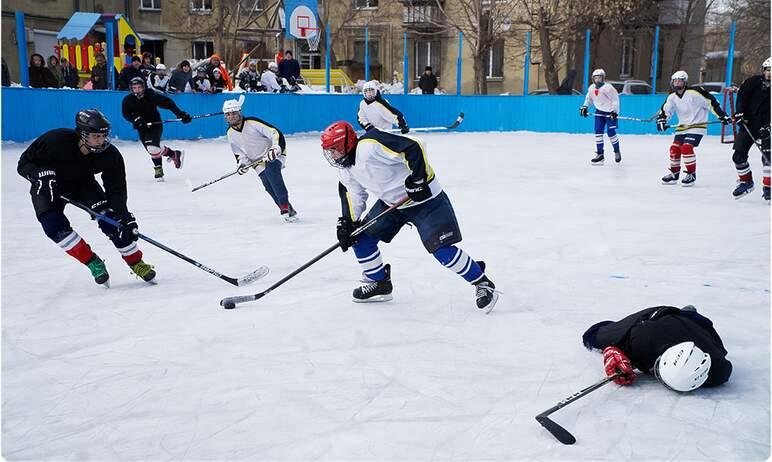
{"points": [[753, 32]]}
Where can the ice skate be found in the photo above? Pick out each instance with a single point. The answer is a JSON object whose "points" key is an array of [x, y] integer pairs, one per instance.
{"points": [[376, 291]]}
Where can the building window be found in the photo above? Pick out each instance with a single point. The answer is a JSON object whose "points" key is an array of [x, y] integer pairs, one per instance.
{"points": [[359, 51], [249, 6], [427, 53], [150, 4], [495, 61], [201, 5], [364, 4], [203, 50], [628, 52]]}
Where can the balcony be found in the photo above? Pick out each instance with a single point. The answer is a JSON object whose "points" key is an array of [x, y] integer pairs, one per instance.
{"points": [[422, 16]]}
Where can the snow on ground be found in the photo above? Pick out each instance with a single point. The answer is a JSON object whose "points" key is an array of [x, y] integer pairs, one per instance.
{"points": [[141, 372]]}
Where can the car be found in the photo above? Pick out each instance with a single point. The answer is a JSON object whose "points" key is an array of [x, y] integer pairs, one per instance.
{"points": [[631, 87], [544, 91], [716, 88]]}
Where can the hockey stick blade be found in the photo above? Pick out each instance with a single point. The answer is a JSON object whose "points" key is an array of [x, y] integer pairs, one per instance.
{"points": [[458, 121], [560, 433], [253, 276], [230, 302]]}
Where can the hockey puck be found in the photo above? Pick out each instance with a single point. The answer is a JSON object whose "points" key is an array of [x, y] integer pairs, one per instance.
{"points": [[229, 305]]}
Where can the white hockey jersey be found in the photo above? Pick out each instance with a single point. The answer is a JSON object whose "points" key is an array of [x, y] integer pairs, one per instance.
{"points": [[158, 82], [268, 79], [383, 162], [379, 113], [692, 109], [604, 98], [253, 140]]}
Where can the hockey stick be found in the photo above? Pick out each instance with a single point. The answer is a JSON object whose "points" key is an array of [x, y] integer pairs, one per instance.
{"points": [[200, 116], [693, 125], [634, 119], [556, 430], [455, 124], [227, 175], [242, 281], [230, 302], [757, 142]]}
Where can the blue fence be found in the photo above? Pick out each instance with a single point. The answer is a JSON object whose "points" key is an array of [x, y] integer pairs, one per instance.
{"points": [[28, 112]]}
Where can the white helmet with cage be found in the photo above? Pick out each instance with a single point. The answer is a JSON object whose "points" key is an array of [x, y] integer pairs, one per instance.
{"points": [[766, 64], [273, 67], [231, 109], [599, 72], [680, 75], [370, 90], [683, 367]]}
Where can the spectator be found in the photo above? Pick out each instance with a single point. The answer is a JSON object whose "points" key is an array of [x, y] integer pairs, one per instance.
{"points": [[99, 73], [216, 63], [6, 76], [249, 80], [268, 79], [159, 81], [218, 82], [201, 84], [180, 81], [147, 67], [69, 74], [129, 72], [428, 81], [39, 75], [567, 85], [56, 70], [289, 67]]}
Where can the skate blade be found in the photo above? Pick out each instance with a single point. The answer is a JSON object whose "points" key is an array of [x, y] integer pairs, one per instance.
{"points": [[492, 304], [743, 194], [160, 180], [669, 183], [596, 163], [105, 284], [182, 157], [375, 299], [291, 219], [687, 185]]}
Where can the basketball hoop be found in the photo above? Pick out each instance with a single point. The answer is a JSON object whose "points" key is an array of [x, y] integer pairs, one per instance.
{"points": [[312, 36]]}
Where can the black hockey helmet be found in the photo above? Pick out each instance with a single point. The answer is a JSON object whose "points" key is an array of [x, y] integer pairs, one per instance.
{"points": [[89, 121]]}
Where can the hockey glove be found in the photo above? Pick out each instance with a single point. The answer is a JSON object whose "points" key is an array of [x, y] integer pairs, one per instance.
{"points": [[129, 230], [725, 119], [273, 152], [661, 124], [344, 230], [764, 132], [139, 123], [739, 118], [185, 117], [404, 129], [615, 360], [417, 191], [583, 111], [44, 185], [614, 115]]}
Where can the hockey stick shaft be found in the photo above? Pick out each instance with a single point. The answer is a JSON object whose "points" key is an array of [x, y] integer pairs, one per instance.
{"points": [[693, 125], [200, 116], [248, 298], [227, 175], [757, 142], [634, 119], [455, 124], [118, 225], [560, 433]]}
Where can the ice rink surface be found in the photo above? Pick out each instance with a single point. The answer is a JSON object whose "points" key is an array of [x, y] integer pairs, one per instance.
{"points": [[142, 372]]}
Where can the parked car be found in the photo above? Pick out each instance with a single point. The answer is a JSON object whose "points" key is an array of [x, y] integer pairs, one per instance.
{"points": [[717, 88], [544, 91], [631, 87]]}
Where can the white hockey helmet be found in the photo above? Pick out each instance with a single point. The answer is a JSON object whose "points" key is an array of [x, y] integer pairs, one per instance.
{"points": [[160, 67], [680, 75], [273, 67], [766, 64], [683, 367], [233, 105], [599, 72], [370, 90]]}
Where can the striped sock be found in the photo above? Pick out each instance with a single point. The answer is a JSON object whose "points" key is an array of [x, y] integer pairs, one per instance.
{"points": [[459, 262], [76, 247], [369, 257], [131, 253]]}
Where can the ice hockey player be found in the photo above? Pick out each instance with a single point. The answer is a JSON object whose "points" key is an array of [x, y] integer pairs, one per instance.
{"points": [[752, 115], [691, 105], [63, 162], [258, 144], [269, 80], [391, 167], [376, 112], [140, 107], [606, 101], [679, 346]]}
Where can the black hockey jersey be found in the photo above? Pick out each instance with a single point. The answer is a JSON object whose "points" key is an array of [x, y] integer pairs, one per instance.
{"points": [[147, 106]]}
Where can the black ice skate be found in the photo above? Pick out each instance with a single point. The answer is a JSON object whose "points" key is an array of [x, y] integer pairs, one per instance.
{"points": [[765, 193], [159, 173], [688, 179], [743, 188], [485, 291], [670, 178], [598, 159], [617, 156], [376, 291]]}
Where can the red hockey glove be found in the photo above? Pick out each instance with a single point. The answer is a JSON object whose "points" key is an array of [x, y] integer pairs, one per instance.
{"points": [[615, 360]]}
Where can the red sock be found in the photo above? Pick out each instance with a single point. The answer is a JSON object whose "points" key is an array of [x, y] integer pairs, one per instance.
{"points": [[675, 157], [80, 250], [690, 159], [132, 258]]}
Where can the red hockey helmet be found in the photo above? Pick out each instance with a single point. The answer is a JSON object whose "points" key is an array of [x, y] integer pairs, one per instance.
{"points": [[337, 141]]}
